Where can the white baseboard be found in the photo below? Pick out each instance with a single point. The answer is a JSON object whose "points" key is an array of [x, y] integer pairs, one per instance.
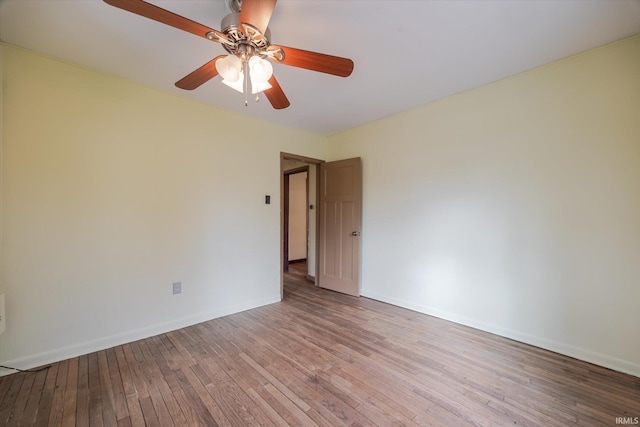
{"points": [[600, 359], [87, 347]]}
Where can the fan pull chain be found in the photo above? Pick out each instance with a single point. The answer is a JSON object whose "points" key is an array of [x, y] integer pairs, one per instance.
{"points": [[245, 68]]}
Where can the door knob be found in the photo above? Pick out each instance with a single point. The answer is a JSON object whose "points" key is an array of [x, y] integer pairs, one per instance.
{"points": [[355, 233]]}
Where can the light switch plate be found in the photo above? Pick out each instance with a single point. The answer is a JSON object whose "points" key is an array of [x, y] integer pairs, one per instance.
{"points": [[177, 288]]}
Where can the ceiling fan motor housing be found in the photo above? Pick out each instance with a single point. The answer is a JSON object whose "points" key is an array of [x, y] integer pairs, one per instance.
{"points": [[231, 28]]}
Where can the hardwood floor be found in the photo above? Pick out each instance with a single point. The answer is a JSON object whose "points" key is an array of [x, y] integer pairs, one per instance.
{"points": [[320, 358]]}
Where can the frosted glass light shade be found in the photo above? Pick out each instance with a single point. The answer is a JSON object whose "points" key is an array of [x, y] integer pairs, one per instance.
{"points": [[260, 71], [230, 69], [260, 87], [237, 84]]}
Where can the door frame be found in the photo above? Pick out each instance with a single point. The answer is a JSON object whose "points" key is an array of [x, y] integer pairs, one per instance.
{"points": [[285, 213], [289, 156]]}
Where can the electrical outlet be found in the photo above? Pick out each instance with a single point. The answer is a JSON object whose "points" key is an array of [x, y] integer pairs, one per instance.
{"points": [[177, 288]]}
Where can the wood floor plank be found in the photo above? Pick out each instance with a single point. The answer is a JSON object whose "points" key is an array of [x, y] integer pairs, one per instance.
{"points": [[186, 398], [300, 381], [149, 412], [273, 381], [57, 403], [95, 391], [46, 398], [229, 388], [119, 399], [17, 410], [125, 422], [82, 405], [138, 386], [71, 394], [229, 382], [271, 413], [33, 402], [171, 356], [135, 416], [108, 400], [5, 385], [326, 359], [198, 407], [160, 390], [300, 417]]}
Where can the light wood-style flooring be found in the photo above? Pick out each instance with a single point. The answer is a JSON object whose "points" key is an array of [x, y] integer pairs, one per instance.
{"points": [[320, 358]]}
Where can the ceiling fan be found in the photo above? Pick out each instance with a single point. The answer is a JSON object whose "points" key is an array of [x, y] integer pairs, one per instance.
{"points": [[245, 36]]}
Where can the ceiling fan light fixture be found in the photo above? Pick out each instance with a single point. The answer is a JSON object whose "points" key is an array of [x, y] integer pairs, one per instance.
{"points": [[245, 34], [231, 69]]}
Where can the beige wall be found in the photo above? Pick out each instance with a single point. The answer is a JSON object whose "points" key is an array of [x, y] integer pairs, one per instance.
{"points": [[515, 207], [111, 192]]}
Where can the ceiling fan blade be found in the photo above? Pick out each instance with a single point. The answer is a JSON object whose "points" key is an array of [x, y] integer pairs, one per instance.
{"points": [[257, 13], [316, 61], [159, 14], [200, 76], [275, 95]]}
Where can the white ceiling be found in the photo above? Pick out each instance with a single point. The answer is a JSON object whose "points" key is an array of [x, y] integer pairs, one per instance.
{"points": [[406, 53]]}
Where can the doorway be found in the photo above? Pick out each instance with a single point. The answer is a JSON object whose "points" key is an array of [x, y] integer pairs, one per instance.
{"points": [[289, 165], [335, 219], [296, 215]]}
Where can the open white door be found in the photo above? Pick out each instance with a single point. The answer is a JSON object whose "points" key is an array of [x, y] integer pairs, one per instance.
{"points": [[340, 224]]}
